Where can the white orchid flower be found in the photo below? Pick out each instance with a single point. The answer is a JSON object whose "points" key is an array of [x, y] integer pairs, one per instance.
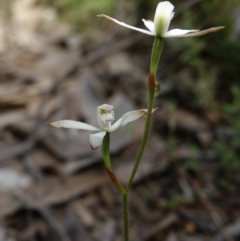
{"points": [[105, 116], [163, 16]]}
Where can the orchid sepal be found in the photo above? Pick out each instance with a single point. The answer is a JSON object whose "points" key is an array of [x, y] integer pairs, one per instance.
{"points": [[126, 25], [70, 124], [191, 33]]}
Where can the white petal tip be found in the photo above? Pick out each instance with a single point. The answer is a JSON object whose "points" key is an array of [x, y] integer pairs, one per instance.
{"points": [[212, 30], [55, 124], [154, 110], [219, 28], [105, 16], [146, 111], [94, 147], [207, 31]]}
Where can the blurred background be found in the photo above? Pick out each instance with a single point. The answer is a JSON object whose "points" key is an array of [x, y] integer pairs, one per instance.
{"points": [[59, 61]]}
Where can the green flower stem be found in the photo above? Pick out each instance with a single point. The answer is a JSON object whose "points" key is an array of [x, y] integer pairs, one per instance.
{"points": [[125, 216], [151, 87], [156, 53], [105, 151]]}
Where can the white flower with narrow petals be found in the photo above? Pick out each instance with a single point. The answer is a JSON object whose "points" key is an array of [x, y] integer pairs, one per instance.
{"points": [[163, 16], [105, 116]]}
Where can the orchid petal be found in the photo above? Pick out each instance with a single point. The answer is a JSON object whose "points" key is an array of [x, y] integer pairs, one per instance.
{"points": [[126, 25], [129, 117], [73, 125], [149, 24], [96, 139], [163, 16], [192, 33]]}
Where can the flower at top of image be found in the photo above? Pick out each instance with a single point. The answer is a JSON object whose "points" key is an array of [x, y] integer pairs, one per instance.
{"points": [[105, 116], [159, 27]]}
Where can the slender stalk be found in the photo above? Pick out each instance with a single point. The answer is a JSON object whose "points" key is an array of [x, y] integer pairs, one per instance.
{"points": [[151, 86], [125, 216]]}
